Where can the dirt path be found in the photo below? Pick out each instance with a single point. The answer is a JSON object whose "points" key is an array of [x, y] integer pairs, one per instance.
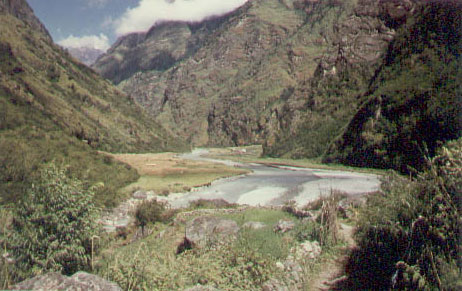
{"points": [[333, 270]]}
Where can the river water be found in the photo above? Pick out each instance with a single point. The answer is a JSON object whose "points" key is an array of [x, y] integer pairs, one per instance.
{"points": [[273, 186]]}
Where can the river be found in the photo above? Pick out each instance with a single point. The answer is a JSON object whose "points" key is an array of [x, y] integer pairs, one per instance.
{"points": [[274, 185]]}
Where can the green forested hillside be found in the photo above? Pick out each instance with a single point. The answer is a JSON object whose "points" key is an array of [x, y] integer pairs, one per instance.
{"points": [[54, 108], [415, 102]]}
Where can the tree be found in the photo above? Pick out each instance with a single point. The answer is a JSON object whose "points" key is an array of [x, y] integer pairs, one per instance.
{"points": [[53, 225], [149, 212]]}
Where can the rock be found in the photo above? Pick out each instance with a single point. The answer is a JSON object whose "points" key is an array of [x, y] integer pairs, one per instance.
{"points": [[299, 213], [284, 226], [209, 229], [78, 281], [140, 195], [253, 225], [280, 265], [307, 250], [293, 269], [202, 288], [274, 285]]}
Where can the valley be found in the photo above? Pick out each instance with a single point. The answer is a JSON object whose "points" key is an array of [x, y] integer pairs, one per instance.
{"points": [[179, 180], [280, 145]]}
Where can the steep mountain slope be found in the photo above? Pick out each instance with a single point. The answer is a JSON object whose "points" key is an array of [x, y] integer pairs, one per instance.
{"points": [[54, 108], [163, 46], [271, 62], [415, 102]]}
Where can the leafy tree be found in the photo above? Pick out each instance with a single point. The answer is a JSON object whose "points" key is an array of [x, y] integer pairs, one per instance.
{"points": [[53, 225], [149, 212]]}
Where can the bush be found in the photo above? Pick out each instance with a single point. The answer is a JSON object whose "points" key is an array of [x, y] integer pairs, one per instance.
{"points": [[151, 211], [53, 226], [211, 204], [409, 236]]}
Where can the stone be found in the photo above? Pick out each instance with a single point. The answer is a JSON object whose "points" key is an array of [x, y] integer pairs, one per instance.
{"points": [[140, 195], [253, 225], [78, 282], [202, 288], [307, 250], [209, 229], [284, 225], [274, 285]]}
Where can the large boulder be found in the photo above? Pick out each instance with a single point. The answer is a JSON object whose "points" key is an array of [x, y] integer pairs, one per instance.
{"points": [[209, 229], [79, 281]]}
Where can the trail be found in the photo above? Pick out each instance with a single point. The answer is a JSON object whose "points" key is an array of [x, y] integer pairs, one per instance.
{"points": [[332, 276]]}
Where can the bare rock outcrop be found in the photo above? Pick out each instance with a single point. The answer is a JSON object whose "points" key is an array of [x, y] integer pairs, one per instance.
{"points": [[77, 282], [209, 229]]}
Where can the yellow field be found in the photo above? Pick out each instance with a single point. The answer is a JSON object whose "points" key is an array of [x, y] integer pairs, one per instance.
{"points": [[165, 173]]}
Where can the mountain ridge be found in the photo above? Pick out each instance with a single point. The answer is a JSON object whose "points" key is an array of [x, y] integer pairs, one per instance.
{"points": [[237, 87], [53, 108]]}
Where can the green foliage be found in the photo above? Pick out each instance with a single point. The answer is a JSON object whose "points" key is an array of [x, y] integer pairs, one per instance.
{"points": [[148, 266], [53, 108], [53, 225], [411, 231], [211, 204], [149, 211], [414, 102]]}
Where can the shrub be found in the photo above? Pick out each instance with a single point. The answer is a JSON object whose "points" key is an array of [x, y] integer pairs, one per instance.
{"points": [[53, 225], [150, 211], [211, 204], [409, 236]]}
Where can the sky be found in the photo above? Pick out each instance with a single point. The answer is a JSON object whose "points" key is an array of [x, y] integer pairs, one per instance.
{"points": [[98, 23]]}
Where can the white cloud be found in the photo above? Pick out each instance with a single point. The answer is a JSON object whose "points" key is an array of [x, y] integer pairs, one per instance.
{"points": [[148, 12], [100, 42]]}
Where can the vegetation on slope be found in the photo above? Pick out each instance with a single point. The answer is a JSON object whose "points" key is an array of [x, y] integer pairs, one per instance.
{"points": [[409, 235], [54, 108], [415, 101]]}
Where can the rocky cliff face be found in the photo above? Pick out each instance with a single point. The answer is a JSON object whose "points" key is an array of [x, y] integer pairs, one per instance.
{"points": [[270, 68], [158, 49], [414, 103], [288, 74]]}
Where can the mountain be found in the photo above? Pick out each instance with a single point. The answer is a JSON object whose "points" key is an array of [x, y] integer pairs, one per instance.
{"points": [[414, 103], [160, 48], [86, 55], [21, 10], [251, 78], [55, 108], [288, 74]]}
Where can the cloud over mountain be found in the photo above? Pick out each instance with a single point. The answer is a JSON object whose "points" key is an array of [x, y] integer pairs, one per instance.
{"points": [[148, 12], [99, 42]]}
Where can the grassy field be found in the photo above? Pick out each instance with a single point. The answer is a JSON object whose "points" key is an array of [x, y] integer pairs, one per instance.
{"points": [[166, 173], [252, 154]]}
